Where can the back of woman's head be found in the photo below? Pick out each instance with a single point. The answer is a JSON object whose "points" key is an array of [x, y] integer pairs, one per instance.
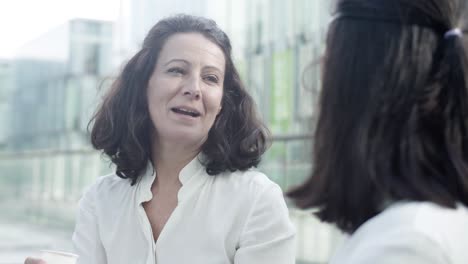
{"points": [[393, 117], [122, 128]]}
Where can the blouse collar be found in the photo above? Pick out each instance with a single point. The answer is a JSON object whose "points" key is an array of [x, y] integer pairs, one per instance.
{"points": [[189, 176]]}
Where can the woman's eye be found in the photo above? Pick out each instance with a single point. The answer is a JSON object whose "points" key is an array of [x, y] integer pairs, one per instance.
{"points": [[176, 70], [212, 78]]}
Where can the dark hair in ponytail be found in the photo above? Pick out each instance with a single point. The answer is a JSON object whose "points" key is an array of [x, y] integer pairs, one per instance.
{"points": [[453, 75], [393, 116]]}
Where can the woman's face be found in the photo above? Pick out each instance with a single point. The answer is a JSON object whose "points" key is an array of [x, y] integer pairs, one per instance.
{"points": [[186, 88]]}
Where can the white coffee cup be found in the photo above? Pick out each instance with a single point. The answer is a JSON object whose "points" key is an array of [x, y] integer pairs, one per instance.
{"points": [[58, 257]]}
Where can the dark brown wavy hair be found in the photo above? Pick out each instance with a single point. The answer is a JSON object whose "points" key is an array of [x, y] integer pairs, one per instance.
{"points": [[122, 128], [393, 113]]}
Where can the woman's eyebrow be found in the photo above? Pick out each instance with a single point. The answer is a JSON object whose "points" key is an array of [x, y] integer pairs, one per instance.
{"points": [[177, 60]]}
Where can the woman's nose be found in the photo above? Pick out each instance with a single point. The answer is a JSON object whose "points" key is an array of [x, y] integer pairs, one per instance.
{"points": [[192, 88]]}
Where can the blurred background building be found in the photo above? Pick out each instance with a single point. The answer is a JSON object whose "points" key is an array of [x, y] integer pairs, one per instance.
{"points": [[49, 91], [55, 78], [6, 87]]}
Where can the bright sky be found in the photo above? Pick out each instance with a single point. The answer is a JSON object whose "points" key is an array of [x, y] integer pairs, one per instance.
{"points": [[24, 20]]}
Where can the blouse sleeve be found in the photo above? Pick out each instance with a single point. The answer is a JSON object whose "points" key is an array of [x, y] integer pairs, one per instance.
{"points": [[268, 236], [86, 240]]}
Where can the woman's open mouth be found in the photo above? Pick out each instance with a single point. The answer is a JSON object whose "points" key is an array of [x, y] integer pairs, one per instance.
{"points": [[186, 111]]}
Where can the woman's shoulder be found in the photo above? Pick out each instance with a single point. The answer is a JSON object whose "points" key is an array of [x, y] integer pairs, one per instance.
{"points": [[413, 228], [251, 190], [250, 180], [107, 188], [447, 227], [425, 218], [109, 182]]}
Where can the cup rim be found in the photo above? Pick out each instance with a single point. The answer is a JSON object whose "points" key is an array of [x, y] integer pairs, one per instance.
{"points": [[62, 253]]}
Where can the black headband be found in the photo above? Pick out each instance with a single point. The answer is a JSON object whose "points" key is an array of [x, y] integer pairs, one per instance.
{"points": [[399, 14]]}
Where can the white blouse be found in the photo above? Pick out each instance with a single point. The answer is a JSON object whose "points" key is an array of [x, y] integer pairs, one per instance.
{"points": [[238, 217], [409, 232]]}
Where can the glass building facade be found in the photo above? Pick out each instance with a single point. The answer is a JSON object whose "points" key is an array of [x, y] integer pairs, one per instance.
{"points": [[6, 87], [54, 95], [45, 156]]}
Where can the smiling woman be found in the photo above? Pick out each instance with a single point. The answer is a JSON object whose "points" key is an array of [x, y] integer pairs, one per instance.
{"points": [[185, 90], [184, 135]]}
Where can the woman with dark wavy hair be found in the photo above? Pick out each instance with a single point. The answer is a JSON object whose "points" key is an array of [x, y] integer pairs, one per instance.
{"points": [[183, 134], [391, 146]]}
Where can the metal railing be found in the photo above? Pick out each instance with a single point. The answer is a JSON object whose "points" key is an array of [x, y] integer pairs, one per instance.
{"points": [[288, 161]]}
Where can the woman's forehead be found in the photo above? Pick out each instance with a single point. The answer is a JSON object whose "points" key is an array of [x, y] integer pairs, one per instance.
{"points": [[192, 48]]}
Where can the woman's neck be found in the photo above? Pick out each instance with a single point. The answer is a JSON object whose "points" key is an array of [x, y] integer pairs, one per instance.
{"points": [[170, 159]]}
